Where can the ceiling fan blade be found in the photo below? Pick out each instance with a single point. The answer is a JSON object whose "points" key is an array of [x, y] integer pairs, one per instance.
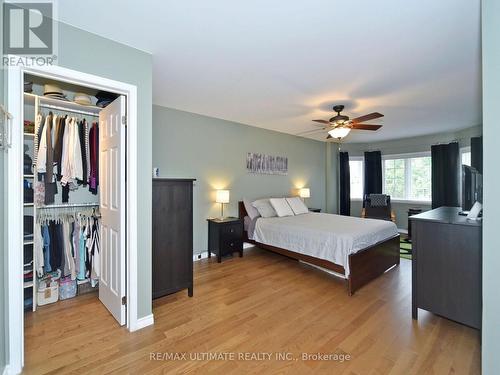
{"points": [[370, 116], [365, 127], [322, 122], [311, 131]]}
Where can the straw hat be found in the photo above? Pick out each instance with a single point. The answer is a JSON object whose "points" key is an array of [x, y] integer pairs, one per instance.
{"points": [[82, 99]]}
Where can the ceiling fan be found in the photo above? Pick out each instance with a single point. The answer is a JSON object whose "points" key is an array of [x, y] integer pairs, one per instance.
{"points": [[340, 125]]}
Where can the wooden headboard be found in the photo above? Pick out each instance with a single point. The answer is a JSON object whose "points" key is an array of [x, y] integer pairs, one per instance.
{"points": [[242, 211]]}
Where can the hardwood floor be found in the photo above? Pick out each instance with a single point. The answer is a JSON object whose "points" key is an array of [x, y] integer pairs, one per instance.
{"points": [[261, 303]]}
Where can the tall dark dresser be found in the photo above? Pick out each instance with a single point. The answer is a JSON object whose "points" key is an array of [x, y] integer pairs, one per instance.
{"points": [[172, 236], [447, 261]]}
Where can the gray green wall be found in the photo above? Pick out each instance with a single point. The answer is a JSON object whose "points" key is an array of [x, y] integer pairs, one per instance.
{"points": [[90, 53], [214, 152], [491, 156], [408, 145]]}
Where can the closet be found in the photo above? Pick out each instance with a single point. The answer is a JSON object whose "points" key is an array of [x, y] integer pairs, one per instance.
{"points": [[74, 194]]}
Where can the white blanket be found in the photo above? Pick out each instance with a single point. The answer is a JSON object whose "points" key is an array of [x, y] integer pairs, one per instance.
{"points": [[324, 236]]}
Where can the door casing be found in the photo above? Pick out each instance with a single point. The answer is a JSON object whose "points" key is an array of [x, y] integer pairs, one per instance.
{"points": [[14, 199]]}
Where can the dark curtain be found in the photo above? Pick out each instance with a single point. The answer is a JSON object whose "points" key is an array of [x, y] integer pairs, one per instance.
{"points": [[373, 173], [476, 153], [445, 175], [345, 185]]}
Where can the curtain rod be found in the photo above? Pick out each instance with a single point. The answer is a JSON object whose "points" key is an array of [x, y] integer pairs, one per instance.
{"points": [[68, 205]]}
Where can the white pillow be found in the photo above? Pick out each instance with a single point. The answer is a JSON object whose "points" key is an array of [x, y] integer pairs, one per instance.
{"points": [[281, 207], [297, 205], [264, 207], [251, 210]]}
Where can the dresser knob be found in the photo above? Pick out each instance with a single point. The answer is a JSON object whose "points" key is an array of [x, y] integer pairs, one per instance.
{"points": [[232, 230], [232, 244]]}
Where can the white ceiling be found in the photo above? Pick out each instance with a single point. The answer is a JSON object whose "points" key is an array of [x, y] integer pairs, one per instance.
{"points": [[280, 64]]}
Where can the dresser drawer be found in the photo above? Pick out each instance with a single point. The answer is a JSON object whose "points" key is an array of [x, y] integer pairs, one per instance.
{"points": [[232, 231], [228, 246]]}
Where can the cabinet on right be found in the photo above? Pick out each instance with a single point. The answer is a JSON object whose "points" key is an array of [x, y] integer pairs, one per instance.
{"points": [[446, 265]]}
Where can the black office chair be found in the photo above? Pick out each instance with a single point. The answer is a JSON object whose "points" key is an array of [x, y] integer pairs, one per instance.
{"points": [[378, 206]]}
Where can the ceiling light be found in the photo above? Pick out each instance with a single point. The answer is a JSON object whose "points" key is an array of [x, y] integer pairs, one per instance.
{"points": [[339, 132]]}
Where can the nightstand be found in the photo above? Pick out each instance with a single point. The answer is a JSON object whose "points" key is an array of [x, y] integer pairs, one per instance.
{"points": [[225, 236], [314, 209]]}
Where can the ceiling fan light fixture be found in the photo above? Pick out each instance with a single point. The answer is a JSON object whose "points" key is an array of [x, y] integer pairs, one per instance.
{"points": [[339, 132]]}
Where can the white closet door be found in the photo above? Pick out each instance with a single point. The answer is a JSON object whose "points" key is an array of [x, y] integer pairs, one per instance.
{"points": [[112, 201]]}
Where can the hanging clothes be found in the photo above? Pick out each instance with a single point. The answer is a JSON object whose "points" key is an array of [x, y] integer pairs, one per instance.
{"points": [[94, 158], [69, 265], [94, 249], [72, 168], [82, 274], [82, 125], [46, 248], [38, 250], [59, 133], [39, 123]]}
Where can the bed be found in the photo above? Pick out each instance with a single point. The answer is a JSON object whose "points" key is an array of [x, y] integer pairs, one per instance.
{"points": [[363, 249]]}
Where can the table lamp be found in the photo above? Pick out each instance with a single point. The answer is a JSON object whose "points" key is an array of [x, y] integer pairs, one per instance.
{"points": [[304, 193], [222, 196]]}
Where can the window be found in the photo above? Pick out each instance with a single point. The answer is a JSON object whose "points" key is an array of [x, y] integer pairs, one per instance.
{"points": [[356, 172], [465, 155], [421, 177], [407, 177], [394, 178]]}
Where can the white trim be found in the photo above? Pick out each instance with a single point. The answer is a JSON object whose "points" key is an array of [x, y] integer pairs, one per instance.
{"points": [[6, 370], [14, 224], [357, 158], [401, 201], [143, 322], [409, 201], [406, 156], [14, 212], [404, 231]]}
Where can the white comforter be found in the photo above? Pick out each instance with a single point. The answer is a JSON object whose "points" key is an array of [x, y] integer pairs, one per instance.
{"points": [[325, 236]]}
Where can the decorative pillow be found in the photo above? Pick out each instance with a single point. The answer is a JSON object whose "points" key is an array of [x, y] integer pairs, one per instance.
{"points": [[298, 207], [281, 207], [264, 207], [251, 210]]}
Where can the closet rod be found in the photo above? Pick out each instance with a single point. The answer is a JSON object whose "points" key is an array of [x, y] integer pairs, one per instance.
{"points": [[51, 106], [65, 205]]}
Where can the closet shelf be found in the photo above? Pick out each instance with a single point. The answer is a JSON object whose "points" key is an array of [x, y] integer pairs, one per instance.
{"points": [[29, 204], [29, 176], [28, 284], [29, 135], [28, 242], [62, 105]]}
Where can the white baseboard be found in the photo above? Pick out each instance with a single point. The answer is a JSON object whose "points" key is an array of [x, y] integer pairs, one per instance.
{"points": [[405, 231], [200, 256], [8, 371], [143, 322], [204, 255]]}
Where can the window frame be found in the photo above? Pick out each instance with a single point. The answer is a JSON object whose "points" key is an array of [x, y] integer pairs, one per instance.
{"points": [[407, 158]]}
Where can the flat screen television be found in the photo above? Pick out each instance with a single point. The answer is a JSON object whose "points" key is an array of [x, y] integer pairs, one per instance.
{"points": [[472, 187]]}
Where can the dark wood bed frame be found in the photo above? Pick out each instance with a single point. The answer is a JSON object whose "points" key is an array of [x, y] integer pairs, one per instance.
{"points": [[365, 265]]}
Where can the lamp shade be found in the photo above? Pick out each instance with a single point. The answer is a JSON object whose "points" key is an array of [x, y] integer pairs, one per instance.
{"points": [[222, 196], [339, 132], [305, 193]]}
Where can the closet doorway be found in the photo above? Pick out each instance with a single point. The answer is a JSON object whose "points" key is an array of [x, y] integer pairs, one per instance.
{"points": [[93, 205]]}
